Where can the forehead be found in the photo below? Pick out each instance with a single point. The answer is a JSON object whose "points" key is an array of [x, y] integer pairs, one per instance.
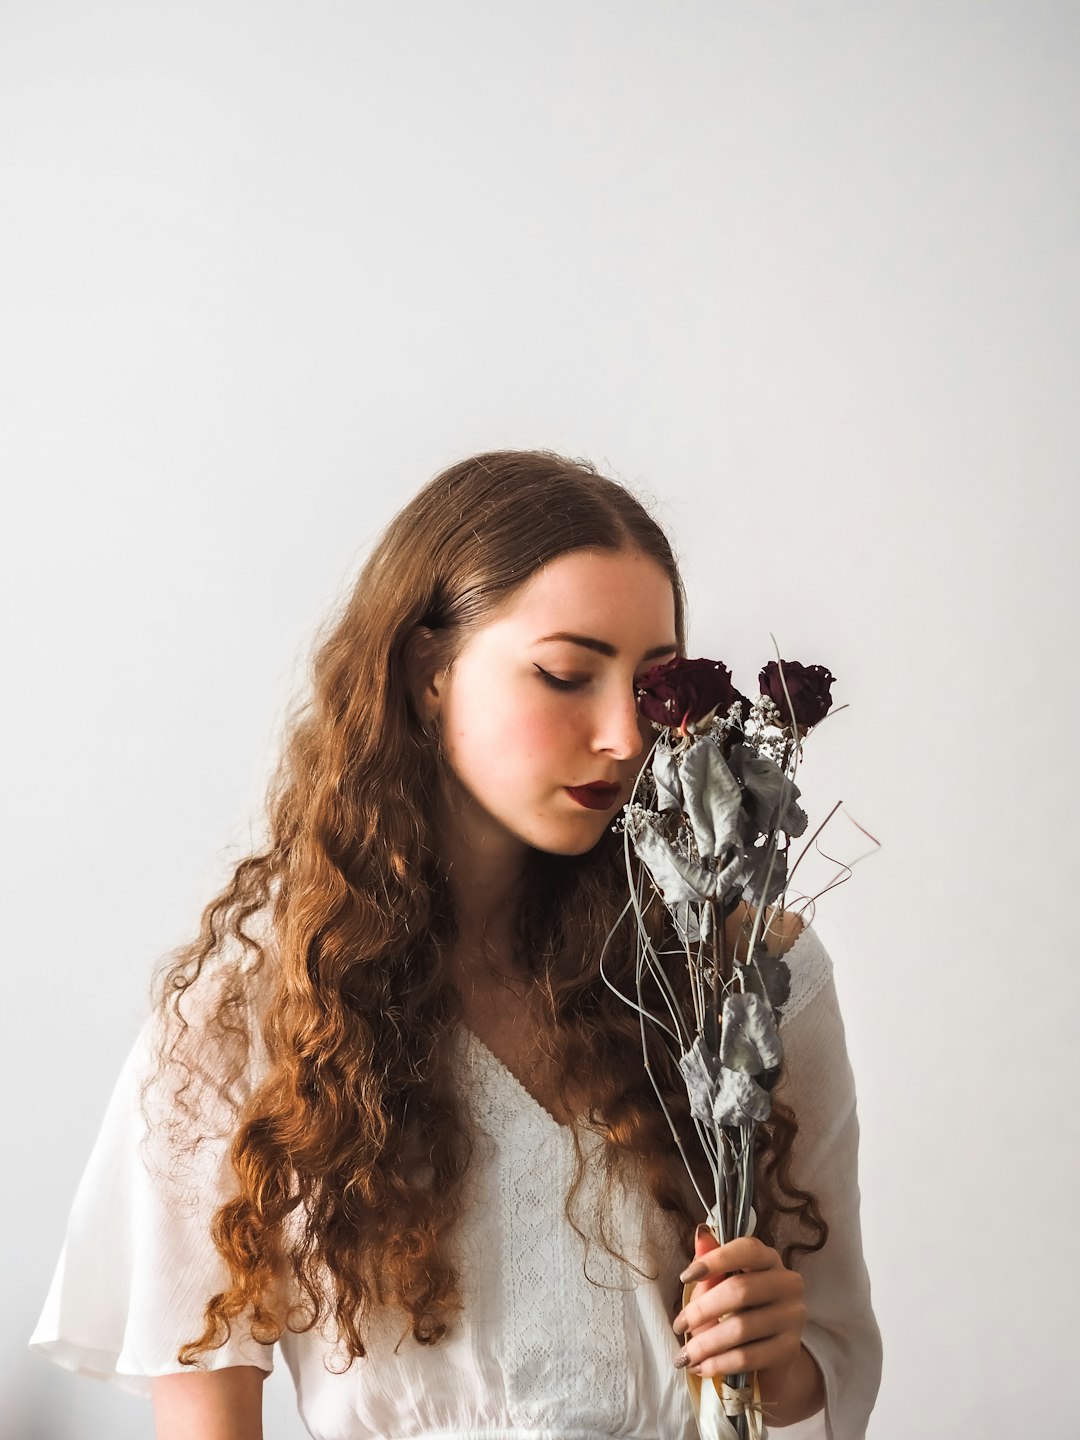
{"points": [[624, 592]]}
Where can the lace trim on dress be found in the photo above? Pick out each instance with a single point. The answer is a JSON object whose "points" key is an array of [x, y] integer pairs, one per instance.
{"points": [[548, 1290], [811, 968]]}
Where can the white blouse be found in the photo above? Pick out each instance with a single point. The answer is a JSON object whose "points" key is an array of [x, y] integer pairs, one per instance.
{"points": [[554, 1342]]}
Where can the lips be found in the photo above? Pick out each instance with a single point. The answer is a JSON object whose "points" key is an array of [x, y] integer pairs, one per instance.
{"points": [[595, 796]]}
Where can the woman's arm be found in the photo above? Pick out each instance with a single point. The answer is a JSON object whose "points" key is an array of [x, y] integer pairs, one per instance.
{"points": [[223, 1404]]}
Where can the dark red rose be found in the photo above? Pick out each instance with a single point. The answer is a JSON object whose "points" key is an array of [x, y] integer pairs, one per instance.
{"points": [[808, 685], [682, 692]]}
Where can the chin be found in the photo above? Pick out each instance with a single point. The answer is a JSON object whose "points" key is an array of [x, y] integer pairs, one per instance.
{"points": [[579, 844]]}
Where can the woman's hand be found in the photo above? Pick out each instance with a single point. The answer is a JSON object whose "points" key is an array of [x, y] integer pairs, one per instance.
{"points": [[741, 1321]]}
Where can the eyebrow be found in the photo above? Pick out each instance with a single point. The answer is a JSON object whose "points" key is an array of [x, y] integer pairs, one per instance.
{"points": [[601, 646]]}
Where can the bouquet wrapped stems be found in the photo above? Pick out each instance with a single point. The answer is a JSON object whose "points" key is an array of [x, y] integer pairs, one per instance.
{"points": [[734, 1200], [732, 1216], [714, 798]]}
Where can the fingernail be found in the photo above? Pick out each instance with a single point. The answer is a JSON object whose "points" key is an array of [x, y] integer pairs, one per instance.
{"points": [[682, 1359], [678, 1325], [697, 1271]]}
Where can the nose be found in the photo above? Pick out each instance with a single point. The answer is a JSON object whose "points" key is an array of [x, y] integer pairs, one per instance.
{"points": [[621, 731]]}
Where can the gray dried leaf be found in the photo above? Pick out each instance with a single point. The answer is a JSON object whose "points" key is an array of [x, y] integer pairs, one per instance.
{"points": [[701, 1071], [770, 796], [666, 774], [688, 917], [711, 797], [749, 1041], [740, 1100], [676, 876], [756, 870], [769, 976]]}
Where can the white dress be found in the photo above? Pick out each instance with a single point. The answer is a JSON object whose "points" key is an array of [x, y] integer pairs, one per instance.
{"points": [[540, 1352]]}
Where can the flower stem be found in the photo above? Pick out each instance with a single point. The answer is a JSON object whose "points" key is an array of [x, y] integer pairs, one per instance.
{"points": [[717, 961]]}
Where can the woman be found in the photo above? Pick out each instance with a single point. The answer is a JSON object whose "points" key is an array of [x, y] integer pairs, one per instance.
{"points": [[387, 1114]]}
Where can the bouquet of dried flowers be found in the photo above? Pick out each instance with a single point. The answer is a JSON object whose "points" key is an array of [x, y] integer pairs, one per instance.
{"points": [[711, 819]]}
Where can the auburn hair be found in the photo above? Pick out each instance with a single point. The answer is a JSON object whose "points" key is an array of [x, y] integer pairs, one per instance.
{"points": [[325, 953]]}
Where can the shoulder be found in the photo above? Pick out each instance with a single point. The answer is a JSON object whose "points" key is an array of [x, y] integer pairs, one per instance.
{"points": [[808, 961], [782, 928], [783, 931]]}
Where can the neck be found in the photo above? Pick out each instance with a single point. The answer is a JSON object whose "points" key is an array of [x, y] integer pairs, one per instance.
{"points": [[483, 864]]}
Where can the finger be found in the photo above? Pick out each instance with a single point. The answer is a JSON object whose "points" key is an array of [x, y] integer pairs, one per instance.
{"points": [[745, 1253], [704, 1241], [775, 1331], [745, 1359], [730, 1331], [747, 1291]]}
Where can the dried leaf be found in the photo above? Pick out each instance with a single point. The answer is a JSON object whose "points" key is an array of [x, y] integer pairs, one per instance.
{"points": [[748, 1037], [740, 1100], [769, 976], [756, 867], [675, 875], [701, 1071], [666, 774], [711, 797], [770, 795]]}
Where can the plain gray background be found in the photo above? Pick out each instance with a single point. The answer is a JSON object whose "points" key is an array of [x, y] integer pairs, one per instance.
{"points": [[805, 275]]}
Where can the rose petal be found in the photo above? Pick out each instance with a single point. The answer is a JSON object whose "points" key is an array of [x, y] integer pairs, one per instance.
{"points": [[810, 688], [685, 690]]}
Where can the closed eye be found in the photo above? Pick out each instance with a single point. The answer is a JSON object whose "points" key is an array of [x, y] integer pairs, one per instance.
{"points": [[556, 683]]}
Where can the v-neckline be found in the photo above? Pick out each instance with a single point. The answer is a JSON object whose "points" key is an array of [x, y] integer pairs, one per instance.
{"points": [[516, 1085]]}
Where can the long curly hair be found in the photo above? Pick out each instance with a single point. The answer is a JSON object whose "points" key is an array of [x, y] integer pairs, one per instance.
{"points": [[325, 954]]}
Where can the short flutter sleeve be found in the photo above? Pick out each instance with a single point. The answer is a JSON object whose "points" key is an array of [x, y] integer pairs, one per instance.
{"points": [[137, 1264], [841, 1331]]}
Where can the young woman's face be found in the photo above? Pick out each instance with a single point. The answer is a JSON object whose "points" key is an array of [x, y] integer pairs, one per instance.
{"points": [[528, 714]]}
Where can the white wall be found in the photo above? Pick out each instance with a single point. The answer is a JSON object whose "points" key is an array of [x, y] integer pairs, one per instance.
{"points": [[807, 273]]}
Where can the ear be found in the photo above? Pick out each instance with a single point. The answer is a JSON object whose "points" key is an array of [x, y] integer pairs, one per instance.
{"points": [[425, 675]]}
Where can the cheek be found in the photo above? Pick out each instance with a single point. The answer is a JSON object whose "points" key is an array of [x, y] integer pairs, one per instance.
{"points": [[544, 730], [530, 747], [506, 741]]}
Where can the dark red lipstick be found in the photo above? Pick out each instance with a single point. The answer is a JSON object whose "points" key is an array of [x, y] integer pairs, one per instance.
{"points": [[597, 796]]}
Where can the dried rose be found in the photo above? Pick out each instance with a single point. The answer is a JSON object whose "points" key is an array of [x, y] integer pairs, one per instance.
{"points": [[684, 692], [808, 685]]}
